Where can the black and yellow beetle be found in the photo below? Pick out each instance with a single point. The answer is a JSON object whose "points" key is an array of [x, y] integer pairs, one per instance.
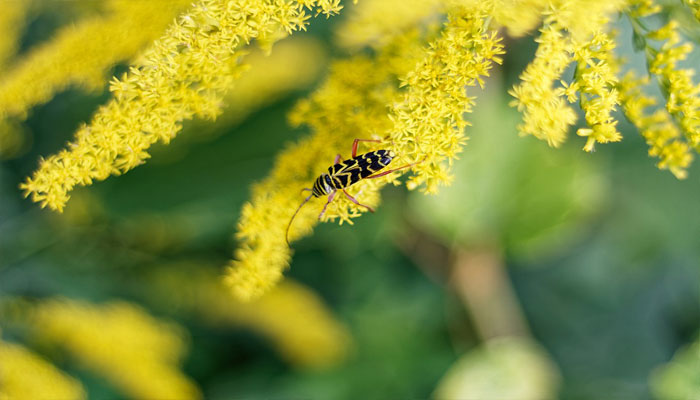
{"points": [[343, 174]]}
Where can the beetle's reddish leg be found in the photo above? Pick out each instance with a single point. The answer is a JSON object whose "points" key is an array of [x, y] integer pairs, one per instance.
{"points": [[395, 169], [357, 202], [330, 198], [357, 141], [338, 157]]}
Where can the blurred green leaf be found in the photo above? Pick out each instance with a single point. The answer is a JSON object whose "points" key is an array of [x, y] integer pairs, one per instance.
{"points": [[504, 368], [680, 378]]}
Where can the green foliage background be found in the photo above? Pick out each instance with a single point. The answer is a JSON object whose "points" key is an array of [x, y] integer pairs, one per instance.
{"points": [[602, 250]]}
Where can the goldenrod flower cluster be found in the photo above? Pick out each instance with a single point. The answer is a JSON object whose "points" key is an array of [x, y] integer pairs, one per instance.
{"points": [[293, 65], [658, 128], [595, 80], [428, 124], [81, 54], [183, 74], [683, 96], [25, 375], [135, 352], [361, 100], [673, 131], [291, 317], [567, 37], [546, 113]]}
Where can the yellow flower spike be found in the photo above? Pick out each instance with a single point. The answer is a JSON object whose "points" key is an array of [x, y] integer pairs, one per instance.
{"points": [[566, 37], [661, 134], [694, 6], [135, 352], [25, 375], [682, 94], [643, 8], [81, 54], [425, 122], [596, 81], [428, 122], [293, 65], [183, 74], [546, 115]]}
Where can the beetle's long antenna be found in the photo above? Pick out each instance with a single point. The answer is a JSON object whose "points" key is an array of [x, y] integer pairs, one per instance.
{"points": [[294, 216]]}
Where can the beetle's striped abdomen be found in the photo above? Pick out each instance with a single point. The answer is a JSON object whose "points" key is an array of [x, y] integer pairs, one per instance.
{"points": [[322, 186], [349, 172]]}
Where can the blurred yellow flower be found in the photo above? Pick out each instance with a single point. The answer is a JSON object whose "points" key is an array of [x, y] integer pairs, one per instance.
{"points": [[136, 352], [13, 139], [517, 16], [298, 324], [183, 74], [377, 22], [291, 316], [695, 6], [81, 54], [25, 375], [642, 8], [11, 23], [293, 65]]}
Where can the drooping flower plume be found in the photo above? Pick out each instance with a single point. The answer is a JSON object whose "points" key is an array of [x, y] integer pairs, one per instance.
{"points": [[183, 74]]}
